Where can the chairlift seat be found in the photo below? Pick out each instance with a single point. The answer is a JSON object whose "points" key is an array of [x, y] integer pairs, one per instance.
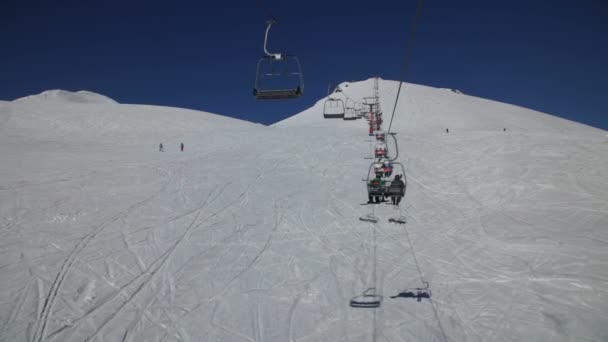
{"points": [[277, 94], [376, 189]]}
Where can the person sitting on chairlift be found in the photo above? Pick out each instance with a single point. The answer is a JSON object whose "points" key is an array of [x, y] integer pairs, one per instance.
{"points": [[379, 169], [388, 168], [375, 183], [397, 187], [381, 151]]}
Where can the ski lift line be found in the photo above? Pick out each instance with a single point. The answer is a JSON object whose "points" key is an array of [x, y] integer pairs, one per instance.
{"points": [[266, 9], [408, 52]]}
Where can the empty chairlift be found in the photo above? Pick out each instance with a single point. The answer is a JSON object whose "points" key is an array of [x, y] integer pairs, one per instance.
{"points": [[350, 114], [372, 103], [279, 75], [333, 109], [349, 110]]}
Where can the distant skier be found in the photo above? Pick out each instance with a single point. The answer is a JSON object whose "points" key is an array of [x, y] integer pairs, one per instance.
{"points": [[447, 130], [182, 147], [160, 148], [397, 190]]}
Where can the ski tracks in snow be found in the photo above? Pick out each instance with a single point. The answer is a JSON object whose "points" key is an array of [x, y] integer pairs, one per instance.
{"points": [[139, 282], [277, 221], [129, 291], [47, 307]]}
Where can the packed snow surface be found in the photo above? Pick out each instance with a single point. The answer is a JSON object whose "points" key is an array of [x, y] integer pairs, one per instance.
{"points": [[253, 232]]}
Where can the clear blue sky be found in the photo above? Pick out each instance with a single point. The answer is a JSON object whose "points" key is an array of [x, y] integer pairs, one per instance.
{"points": [[546, 55]]}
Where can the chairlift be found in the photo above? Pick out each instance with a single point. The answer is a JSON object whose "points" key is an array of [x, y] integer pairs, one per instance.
{"points": [[383, 169], [349, 114], [370, 101], [279, 75], [381, 150], [333, 108], [384, 189], [368, 299]]}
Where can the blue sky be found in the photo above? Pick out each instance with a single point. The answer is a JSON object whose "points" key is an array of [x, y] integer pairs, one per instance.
{"points": [[546, 55]]}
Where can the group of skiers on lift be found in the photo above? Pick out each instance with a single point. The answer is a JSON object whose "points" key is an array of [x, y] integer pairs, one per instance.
{"points": [[395, 190], [378, 189]]}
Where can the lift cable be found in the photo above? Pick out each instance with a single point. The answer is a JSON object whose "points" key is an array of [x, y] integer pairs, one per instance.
{"points": [[266, 9], [408, 52]]}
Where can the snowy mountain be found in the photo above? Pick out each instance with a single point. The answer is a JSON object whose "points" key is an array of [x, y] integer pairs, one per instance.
{"points": [[253, 232], [65, 96]]}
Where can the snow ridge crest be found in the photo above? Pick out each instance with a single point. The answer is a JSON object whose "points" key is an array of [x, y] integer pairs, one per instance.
{"points": [[60, 95]]}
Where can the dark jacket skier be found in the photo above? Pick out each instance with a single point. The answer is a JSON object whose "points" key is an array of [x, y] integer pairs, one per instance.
{"points": [[397, 190]]}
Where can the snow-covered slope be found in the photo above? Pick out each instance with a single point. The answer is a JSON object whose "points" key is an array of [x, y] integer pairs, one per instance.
{"points": [[64, 96], [253, 233]]}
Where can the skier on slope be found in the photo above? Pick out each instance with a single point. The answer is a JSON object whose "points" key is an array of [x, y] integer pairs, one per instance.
{"points": [[397, 190]]}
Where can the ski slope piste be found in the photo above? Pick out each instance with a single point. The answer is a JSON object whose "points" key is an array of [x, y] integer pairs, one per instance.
{"points": [[253, 232]]}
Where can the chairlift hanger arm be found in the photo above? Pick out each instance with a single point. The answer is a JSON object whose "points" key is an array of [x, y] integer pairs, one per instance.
{"points": [[396, 147], [270, 54]]}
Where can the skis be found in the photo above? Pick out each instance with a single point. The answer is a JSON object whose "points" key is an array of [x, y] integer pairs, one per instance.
{"points": [[370, 203], [374, 219], [369, 218]]}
